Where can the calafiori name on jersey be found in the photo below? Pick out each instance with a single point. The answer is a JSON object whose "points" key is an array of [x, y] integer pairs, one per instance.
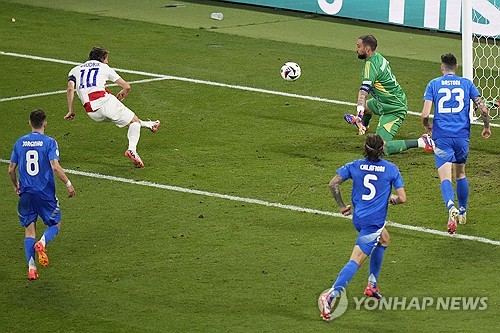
{"points": [[450, 82], [377, 168], [32, 143]]}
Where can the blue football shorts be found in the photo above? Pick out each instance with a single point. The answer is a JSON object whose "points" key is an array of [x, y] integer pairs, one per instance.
{"points": [[31, 206], [453, 150], [368, 237]]}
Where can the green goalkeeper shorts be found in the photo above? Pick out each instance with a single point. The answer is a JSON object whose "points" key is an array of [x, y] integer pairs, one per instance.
{"points": [[391, 118]]}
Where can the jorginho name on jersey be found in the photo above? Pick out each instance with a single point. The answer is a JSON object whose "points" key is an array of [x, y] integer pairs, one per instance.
{"points": [[451, 95], [33, 153], [372, 185]]}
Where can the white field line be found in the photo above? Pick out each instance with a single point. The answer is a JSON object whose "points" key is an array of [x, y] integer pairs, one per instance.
{"points": [[185, 79], [64, 91], [174, 188], [180, 189], [212, 83], [66, 62], [268, 204]]}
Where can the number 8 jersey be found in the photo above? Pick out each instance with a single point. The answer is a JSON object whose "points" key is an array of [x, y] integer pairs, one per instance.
{"points": [[451, 95], [33, 153], [90, 79]]}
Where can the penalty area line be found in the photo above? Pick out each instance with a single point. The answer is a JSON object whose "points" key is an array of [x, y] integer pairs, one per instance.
{"points": [[66, 62], [64, 91], [267, 203], [211, 83]]}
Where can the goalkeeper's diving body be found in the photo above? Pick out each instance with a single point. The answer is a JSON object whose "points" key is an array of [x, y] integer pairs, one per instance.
{"points": [[388, 100]]}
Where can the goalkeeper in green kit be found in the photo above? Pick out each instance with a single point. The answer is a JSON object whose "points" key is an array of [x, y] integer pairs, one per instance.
{"points": [[388, 102]]}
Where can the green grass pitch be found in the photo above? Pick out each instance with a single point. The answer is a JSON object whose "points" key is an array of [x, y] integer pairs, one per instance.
{"points": [[136, 258]]}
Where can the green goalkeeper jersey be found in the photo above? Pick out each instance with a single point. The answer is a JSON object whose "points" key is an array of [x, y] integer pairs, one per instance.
{"points": [[384, 88]]}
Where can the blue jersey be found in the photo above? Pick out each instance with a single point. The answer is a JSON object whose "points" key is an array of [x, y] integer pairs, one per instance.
{"points": [[451, 95], [371, 189], [33, 153]]}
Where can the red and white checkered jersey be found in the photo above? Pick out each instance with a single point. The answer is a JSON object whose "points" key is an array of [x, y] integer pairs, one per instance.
{"points": [[90, 79]]}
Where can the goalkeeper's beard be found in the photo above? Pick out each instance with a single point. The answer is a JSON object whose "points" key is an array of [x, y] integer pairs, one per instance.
{"points": [[362, 56]]}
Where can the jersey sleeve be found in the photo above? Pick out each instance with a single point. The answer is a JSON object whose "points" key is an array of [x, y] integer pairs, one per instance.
{"points": [[71, 76], [398, 179], [111, 74], [14, 158], [369, 76], [345, 171], [473, 92], [428, 95], [53, 150]]}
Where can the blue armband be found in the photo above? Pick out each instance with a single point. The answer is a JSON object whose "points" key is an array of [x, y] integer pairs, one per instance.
{"points": [[365, 87]]}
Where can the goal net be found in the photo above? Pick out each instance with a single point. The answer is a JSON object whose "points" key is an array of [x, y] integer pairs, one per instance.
{"points": [[485, 36]]}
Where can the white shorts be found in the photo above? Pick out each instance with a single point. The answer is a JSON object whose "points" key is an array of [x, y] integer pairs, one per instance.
{"points": [[113, 110]]}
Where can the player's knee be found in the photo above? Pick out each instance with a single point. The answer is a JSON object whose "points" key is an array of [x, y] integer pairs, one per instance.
{"points": [[134, 120], [385, 242], [459, 173], [385, 239], [30, 230]]}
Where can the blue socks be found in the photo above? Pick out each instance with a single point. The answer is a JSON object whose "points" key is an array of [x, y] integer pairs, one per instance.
{"points": [[29, 248], [462, 193], [345, 275], [29, 244], [447, 193], [50, 233], [376, 259]]}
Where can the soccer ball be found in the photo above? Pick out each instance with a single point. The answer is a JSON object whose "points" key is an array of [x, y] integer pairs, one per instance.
{"points": [[290, 71]]}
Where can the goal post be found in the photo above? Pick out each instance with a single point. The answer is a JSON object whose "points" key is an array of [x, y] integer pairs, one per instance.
{"points": [[467, 70], [481, 49]]}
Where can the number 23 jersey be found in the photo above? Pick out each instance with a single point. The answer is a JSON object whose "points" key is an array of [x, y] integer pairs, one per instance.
{"points": [[451, 95]]}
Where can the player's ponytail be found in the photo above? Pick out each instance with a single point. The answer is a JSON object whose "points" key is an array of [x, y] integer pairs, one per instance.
{"points": [[374, 147]]}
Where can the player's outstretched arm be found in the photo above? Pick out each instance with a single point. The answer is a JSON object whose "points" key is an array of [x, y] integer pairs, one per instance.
{"points": [[59, 172], [335, 190], [485, 115], [125, 89], [70, 97]]}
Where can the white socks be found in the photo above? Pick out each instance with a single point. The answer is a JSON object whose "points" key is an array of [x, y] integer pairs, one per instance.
{"points": [[147, 124], [133, 135], [42, 240], [421, 143], [31, 264]]}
